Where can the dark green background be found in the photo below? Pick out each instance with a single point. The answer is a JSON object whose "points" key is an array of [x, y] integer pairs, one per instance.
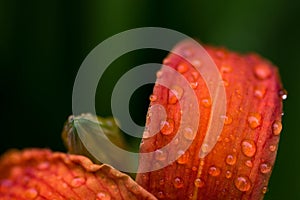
{"points": [[42, 44]]}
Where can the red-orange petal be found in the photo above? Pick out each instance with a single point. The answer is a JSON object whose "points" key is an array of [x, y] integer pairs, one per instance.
{"points": [[240, 164], [42, 174]]}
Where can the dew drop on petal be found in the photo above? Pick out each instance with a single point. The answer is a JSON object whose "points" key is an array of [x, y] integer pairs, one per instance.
{"points": [[167, 127], [272, 148], [77, 182], [31, 193], [103, 196], [226, 83], [160, 195], [159, 74], [242, 183], [153, 97], [231, 159], [160, 155], [262, 71], [175, 94], [177, 90], [265, 168], [259, 92], [194, 85], [182, 67], [162, 181], [184, 157], [196, 63], [188, 133], [214, 171], [195, 75], [249, 163], [227, 119], [187, 52], [43, 166], [248, 147], [172, 99], [199, 182], [228, 174], [277, 127], [204, 148], [178, 182], [226, 68], [206, 102], [264, 190], [254, 120], [283, 94], [194, 168]]}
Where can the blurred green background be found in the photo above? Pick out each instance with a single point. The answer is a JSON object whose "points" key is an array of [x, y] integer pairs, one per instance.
{"points": [[43, 43]]}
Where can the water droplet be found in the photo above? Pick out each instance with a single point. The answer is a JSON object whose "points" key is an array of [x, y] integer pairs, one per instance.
{"points": [[226, 68], [160, 195], [167, 127], [227, 119], [184, 157], [172, 98], [145, 177], [194, 168], [178, 91], [248, 147], [283, 94], [77, 182], [206, 102], [153, 97], [264, 190], [160, 155], [43, 166], [249, 163], [175, 94], [221, 53], [226, 139], [194, 85], [214, 171], [162, 181], [242, 183], [272, 148], [226, 83], [195, 75], [199, 182], [265, 168], [178, 182], [159, 74], [228, 174], [262, 71], [188, 133], [176, 140], [231, 159], [277, 127], [188, 52], [196, 63], [204, 148], [182, 67], [31, 193], [254, 120], [103, 196], [259, 92]]}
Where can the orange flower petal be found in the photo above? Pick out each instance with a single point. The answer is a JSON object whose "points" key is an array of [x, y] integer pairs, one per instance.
{"points": [[42, 174], [240, 164]]}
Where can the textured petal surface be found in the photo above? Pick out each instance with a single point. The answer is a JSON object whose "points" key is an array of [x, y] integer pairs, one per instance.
{"points": [[240, 164], [42, 174]]}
